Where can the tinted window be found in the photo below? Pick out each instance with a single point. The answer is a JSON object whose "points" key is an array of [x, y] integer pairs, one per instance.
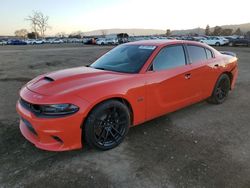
{"points": [[169, 57], [209, 54], [196, 53], [124, 58]]}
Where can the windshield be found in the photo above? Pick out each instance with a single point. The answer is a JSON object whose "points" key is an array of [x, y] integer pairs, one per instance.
{"points": [[124, 58]]}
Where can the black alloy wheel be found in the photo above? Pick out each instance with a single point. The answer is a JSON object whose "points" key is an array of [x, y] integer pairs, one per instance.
{"points": [[107, 125], [221, 90]]}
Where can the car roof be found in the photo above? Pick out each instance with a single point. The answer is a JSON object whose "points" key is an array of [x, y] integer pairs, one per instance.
{"points": [[163, 42]]}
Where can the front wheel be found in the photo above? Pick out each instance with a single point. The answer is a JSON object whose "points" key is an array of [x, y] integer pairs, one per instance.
{"points": [[107, 125], [221, 90]]}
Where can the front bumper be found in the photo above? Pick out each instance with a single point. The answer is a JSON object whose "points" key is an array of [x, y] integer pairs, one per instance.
{"points": [[53, 134]]}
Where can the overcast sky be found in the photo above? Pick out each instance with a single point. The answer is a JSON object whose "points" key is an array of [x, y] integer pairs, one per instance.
{"points": [[85, 15]]}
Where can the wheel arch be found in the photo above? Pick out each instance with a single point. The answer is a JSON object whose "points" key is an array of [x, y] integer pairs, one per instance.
{"points": [[230, 75], [127, 104], [121, 99]]}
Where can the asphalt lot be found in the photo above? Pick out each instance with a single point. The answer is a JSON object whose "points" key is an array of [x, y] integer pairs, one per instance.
{"points": [[202, 145]]}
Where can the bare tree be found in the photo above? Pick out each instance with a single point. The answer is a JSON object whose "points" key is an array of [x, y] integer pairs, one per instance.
{"points": [[104, 32], [227, 32], [217, 31], [21, 33], [238, 32], [39, 22], [207, 30], [168, 32]]}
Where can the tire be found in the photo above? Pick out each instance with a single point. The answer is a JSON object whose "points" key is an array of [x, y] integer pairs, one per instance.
{"points": [[107, 125], [217, 44], [221, 90], [231, 44]]}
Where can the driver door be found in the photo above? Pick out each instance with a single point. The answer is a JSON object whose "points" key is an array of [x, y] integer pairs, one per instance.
{"points": [[168, 82]]}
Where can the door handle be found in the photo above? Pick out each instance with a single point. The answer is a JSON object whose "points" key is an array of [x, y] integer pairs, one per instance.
{"points": [[187, 76]]}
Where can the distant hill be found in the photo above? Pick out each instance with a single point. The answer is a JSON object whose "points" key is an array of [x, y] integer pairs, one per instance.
{"points": [[243, 27], [136, 32], [198, 30], [132, 32]]}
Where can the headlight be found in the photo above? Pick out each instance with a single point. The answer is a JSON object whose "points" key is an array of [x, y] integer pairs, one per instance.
{"points": [[55, 109]]}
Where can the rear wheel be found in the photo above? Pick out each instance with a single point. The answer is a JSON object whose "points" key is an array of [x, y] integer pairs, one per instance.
{"points": [[107, 125], [221, 90], [217, 44]]}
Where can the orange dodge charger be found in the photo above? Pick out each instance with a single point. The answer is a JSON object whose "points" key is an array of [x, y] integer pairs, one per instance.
{"points": [[131, 84]]}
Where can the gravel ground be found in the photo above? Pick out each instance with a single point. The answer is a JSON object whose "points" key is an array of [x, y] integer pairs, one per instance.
{"points": [[202, 145]]}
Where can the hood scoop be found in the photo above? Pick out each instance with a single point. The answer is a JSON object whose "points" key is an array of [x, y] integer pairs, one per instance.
{"points": [[71, 80], [48, 79]]}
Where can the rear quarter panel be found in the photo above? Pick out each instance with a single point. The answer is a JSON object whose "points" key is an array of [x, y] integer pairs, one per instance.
{"points": [[227, 65], [231, 67]]}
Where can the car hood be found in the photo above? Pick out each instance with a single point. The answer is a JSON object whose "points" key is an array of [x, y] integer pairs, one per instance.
{"points": [[69, 80]]}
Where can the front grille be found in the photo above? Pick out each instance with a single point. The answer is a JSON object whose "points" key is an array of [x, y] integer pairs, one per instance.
{"points": [[29, 126]]}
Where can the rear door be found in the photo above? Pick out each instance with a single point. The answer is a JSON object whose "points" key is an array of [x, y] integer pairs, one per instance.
{"points": [[204, 70], [168, 82]]}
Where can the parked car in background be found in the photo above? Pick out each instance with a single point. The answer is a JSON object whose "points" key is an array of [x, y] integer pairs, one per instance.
{"points": [[39, 41], [112, 41], [239, 41], [199, 38], [3, 42], [16, 42], [56, 41], [131, 39], [101, 41], [35, 41], [89, 40], [74, 40], [224, 39], [187, 38], [106, 41], [162, 38], [30, 41], [215, 41]]}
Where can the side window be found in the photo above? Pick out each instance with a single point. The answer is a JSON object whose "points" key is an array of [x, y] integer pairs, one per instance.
{"points": [[196, 53], [209, 54], [169, 57]]}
